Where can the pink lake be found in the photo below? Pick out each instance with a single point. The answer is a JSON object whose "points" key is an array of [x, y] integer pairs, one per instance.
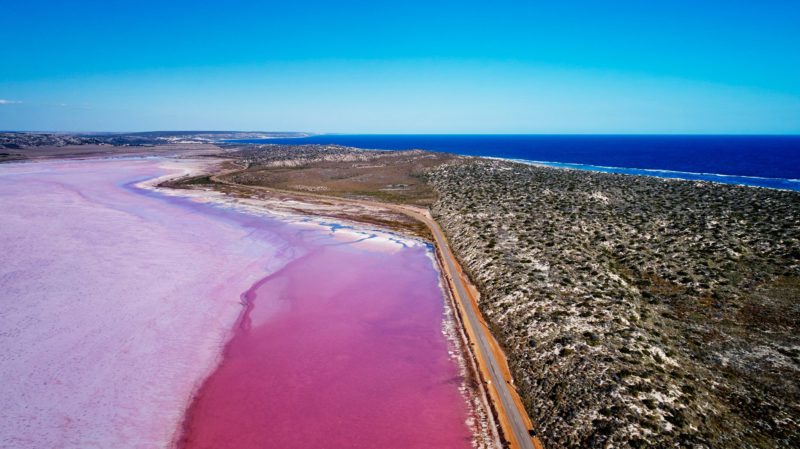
{"points": [[131, 318]]}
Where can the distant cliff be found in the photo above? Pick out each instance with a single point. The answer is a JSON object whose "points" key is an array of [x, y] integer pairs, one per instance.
{"points": [[16, 141], [19, 140]]}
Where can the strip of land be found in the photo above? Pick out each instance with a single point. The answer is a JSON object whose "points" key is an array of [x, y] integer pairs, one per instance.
{"points": [[514, 420]]}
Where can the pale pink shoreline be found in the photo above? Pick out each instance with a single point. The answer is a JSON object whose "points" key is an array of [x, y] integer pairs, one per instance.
{"points": [[114, 306]]}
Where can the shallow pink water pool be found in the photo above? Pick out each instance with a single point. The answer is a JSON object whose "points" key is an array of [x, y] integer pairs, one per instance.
{"points": [[341, 348]]}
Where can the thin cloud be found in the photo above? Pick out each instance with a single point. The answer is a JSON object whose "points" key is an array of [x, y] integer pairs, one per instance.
{"points": [[2, 101]]}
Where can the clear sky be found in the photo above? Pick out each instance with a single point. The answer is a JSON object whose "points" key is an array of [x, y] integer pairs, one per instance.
{"points": [[406, 66]]}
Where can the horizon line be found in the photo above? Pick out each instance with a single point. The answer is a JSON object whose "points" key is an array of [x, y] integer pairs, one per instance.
{"points": [[313, 133]]}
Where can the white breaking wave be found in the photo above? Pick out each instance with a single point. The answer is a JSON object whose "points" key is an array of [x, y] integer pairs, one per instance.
{"points": [[672, 174]]}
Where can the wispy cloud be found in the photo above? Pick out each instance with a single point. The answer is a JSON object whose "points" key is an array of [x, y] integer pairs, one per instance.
{"points": [[4, 101]]}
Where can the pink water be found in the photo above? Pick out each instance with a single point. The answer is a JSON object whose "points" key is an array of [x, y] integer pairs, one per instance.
{"points": [[342, 348], [117, 303]]}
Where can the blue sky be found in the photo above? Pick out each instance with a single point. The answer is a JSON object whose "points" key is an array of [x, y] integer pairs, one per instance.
{"points": [[407, 67]]}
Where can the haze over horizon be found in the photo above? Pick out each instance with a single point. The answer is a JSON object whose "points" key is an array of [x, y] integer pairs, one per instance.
{"points": [[380, 67]]}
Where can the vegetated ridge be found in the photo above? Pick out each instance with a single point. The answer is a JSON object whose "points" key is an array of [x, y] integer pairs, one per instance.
{"points": [[635, 311]]}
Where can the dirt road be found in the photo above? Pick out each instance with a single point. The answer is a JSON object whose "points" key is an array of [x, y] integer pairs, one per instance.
{"points": [[513, 418]]}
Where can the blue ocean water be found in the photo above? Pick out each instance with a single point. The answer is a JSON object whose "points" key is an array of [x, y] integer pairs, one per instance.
{"points": [[765, 161]]}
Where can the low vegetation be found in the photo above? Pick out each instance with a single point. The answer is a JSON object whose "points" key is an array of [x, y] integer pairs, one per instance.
{"points": [[635, 311]]}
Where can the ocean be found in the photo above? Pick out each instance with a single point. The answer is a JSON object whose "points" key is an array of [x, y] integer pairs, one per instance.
{"points": [[764, 161]]}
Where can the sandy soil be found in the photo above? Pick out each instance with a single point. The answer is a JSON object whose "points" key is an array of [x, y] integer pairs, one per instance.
{"points": [[386, 176]]}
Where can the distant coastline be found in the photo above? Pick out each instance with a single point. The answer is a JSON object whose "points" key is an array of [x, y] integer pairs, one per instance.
{"points": [[760, 161], [750, 181]]}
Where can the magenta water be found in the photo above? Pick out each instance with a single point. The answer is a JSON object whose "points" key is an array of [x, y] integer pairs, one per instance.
{"points": [[342, 348], [121, 308]]}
